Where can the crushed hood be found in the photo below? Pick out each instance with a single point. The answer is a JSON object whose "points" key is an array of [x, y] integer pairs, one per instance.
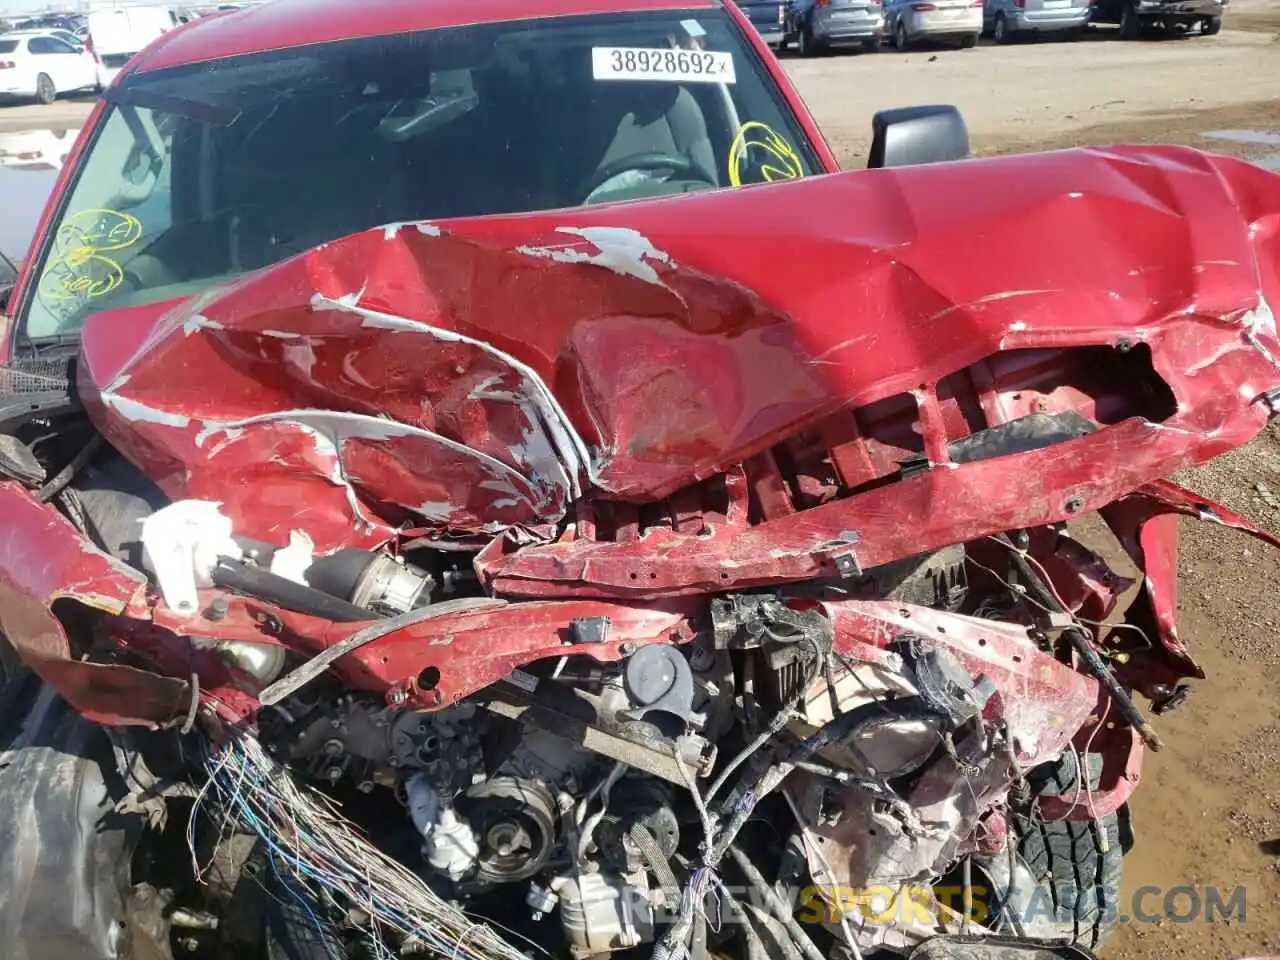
{"points": [[479, 376]]}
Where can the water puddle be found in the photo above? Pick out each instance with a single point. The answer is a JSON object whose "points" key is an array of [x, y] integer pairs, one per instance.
{"points": [[29, 166], [1270, 161]]}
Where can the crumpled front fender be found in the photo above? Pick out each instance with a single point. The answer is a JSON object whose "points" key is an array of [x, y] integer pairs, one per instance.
{"points": [[45, 560]]}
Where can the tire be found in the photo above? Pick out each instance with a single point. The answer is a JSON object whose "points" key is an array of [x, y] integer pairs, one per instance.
{"points": [[1001, 32], [968, 41], [1211, 26], [46, 92], [1130, 23], [292, 933], [871, 45], [58, 785], [900, 38], [1078, 865]]}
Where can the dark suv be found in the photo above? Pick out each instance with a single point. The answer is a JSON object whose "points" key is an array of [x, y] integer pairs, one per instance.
{"points": [[1144, 17]]}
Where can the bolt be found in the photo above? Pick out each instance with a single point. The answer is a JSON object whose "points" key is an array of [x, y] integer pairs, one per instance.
{"points": [[365, 786], [217, 609], [1074, 505], [396, 697], [1124, 344], [626, 649], [333, 747], [268, 623]]}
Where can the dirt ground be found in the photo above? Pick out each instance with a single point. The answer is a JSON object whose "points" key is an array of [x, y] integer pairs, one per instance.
{"points": [[1033, 95], [1208, 810]]}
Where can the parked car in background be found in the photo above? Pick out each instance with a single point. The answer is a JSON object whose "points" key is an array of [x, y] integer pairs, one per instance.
{"points": [[769, 19], [51, 22], [38, 67], [118, 32], [818, 25], [1006, 20], [66, 36], [1138, 17], [910, 21]]}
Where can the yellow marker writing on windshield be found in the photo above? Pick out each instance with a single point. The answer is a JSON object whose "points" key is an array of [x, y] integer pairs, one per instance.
{"points": [[759, 145], [78, 268]]}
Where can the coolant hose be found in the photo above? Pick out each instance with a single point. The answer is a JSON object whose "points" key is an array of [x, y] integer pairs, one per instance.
{"points": [[755, 947], [835, 731], [780, 720], [776, 906]]}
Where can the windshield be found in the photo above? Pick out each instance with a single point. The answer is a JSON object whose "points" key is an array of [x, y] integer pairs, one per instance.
{"points": [[199, 174]]}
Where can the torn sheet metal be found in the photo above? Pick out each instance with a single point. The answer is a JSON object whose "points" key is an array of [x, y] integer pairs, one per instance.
{"points": [[1042, 701], [483, 375], [1145, 522], [67, 568]]}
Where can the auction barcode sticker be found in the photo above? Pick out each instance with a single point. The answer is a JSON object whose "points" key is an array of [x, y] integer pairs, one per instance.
{"points": [[676, 66]]}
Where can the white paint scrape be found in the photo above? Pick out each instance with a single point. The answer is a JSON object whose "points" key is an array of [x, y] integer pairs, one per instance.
{"points": [[624, 251], [137, 412], [1259, 322]]}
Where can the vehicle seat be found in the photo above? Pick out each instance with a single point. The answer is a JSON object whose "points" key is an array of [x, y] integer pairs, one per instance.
{"points": [[625, 118]]}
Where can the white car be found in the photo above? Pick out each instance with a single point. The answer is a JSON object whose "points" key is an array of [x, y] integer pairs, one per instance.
{"points": [[910, 21], [36, 65], [64, 35], [117, 33]]}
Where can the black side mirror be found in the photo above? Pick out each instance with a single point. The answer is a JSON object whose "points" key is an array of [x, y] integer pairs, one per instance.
{"points": [[911, 135]]}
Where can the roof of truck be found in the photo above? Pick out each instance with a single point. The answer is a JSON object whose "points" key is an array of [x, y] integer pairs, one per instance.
{"points": [[280, 24]]}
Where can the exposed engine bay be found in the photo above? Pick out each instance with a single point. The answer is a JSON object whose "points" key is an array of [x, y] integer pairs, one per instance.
{"points": [[501, 654], [852, 753]]}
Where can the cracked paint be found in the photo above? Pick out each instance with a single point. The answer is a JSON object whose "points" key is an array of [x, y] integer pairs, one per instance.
{"points": [[620, 249]]}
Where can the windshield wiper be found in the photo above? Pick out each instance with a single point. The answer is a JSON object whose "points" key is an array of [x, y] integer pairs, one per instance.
{"points": [[128, 96], [52, 341]]}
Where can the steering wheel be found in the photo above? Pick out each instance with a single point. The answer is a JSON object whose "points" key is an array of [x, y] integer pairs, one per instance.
{"points": [[642, 161]]}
